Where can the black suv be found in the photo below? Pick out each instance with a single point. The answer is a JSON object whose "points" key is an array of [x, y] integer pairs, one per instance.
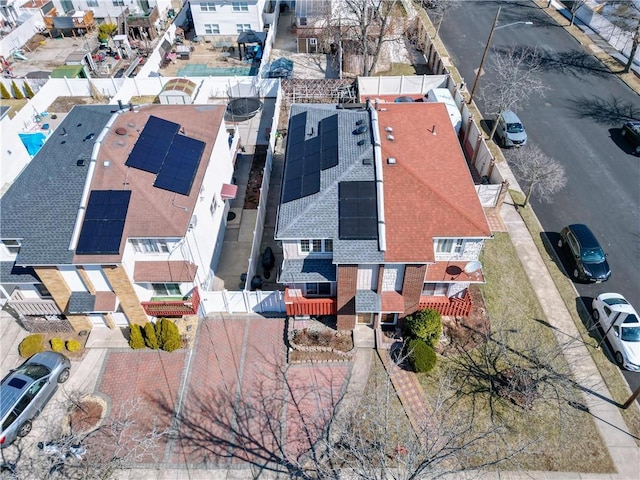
{"points": [[590, 261], [631, 130]]}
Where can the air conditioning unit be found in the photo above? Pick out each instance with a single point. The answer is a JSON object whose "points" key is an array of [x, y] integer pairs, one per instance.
{"points": [[193, 222]]}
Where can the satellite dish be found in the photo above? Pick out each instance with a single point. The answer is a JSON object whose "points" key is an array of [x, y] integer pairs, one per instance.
{"points": [[472, 267]]}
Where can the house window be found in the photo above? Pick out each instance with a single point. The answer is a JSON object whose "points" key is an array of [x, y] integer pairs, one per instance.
{"points": [[240, 6], [318, 289], [42, 290], [449, 245], [165, 289], [211, 28], [316, 246], [435, 289], [13, 246], [92, 3], [118, 3], [207, 7], [243, 27], [150, 245]]}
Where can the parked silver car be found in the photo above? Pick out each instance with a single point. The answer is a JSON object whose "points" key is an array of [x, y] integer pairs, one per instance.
{"points": [[510, 130], [25, 391]]}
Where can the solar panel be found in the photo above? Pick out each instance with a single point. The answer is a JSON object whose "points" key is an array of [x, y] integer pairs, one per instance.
{"points": [[103, 223], [329, 157], [180, 165], [357, 211], [151, 148]]}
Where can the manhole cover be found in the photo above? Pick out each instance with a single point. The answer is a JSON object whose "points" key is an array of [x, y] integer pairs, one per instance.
{"points": [[121, 131]]}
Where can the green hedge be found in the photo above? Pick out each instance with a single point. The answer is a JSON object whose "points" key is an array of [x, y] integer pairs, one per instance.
{"points": [[73, 345], [150, 337], [168, 335], [425, 325], [30, 345], [422, 357], [136, 341], [57, 344]]}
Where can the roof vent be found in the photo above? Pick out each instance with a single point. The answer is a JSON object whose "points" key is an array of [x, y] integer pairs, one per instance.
{"points": [[362, 142], [121, 131], [360, 130], [106, 163], [80, 162], [391, 138], [89, 137], [359, 122], [391, 161], [367, 161], [389, 129]]}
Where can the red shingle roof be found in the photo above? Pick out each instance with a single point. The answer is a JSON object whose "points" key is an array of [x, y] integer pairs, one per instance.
{"points": [[429, 192], [164, 271]]}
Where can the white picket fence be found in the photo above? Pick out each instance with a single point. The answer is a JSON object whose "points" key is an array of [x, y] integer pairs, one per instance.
{"points": [[259, 301]]}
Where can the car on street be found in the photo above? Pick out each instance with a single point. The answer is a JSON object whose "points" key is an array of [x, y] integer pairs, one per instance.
{"points": [[631, 131], [589, 262], [510, 131], [26, 390], [621, 326]]}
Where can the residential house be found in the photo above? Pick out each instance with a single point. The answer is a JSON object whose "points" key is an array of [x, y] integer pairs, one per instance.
{"points": [[118, 218], [378, 214], [222, 21]]}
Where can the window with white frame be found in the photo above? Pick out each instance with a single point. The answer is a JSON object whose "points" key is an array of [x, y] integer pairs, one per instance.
{"points": [[435, 289], [243, 27], [318, 289], [211, 28], [316, 245], [118, 3], [240, 6], [207, 7], [165, 289], [12, 246], [92, 3], [449, 245], [150, 245]]}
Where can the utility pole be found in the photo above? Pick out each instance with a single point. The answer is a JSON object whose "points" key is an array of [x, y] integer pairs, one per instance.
{"points": [[484, 55]]}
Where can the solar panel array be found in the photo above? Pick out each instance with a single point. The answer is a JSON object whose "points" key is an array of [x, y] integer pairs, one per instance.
{"points": [[180, 165], [151, 147], [103, 223], [306, 158], [357, 211]]}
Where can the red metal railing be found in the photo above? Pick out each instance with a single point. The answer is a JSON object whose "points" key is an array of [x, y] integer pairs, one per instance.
{"points": [[296, 304], [173, 308], [450, 307]]}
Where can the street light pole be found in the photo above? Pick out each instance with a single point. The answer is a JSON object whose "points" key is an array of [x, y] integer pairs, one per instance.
{"points": [[486, 49], [484, 55]]}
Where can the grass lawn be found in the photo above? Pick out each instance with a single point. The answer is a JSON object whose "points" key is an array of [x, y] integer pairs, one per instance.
{"points": [[611, 375], [552, 435], [15, 105]]}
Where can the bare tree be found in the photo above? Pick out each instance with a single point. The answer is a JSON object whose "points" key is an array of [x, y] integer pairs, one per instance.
{"points": [[117, 444], [516, 80], [626, 16], [542, 175], [439, 9], [575, 6], [298, 422], [367, 25]]}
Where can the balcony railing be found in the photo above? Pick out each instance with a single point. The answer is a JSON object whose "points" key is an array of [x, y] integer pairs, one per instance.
{"points": [[170, 307], [450, 307], [298, 305]]}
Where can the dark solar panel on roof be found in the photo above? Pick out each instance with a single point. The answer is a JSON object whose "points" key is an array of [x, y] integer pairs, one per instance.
{"points": [[357, 211], [152, 146], [103, 223], [180, 166]]}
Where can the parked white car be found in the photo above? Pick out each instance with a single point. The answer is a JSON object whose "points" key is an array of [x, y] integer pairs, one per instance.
{"points": [[621, 325]]}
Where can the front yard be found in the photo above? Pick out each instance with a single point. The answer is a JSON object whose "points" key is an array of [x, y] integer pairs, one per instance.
{"points": [[542, 423]]}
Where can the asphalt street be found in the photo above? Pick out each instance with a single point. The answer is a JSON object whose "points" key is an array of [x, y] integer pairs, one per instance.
{"points": [[577, 122]]}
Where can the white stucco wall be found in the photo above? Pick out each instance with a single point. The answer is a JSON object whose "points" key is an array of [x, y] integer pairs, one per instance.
{"points": [[226, 18]]}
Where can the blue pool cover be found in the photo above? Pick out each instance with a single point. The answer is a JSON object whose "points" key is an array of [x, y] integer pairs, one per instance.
{"points": [[33, 141]]}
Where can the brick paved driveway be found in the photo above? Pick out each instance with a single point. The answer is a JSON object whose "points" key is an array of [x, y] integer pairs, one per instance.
{"points": [[240, 400]]}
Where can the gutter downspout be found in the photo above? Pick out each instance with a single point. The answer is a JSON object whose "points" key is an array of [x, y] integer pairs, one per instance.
{"points": [[377, 156]]}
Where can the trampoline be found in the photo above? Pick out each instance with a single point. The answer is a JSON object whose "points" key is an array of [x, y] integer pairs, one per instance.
{"points": [[202, 70], [241, 109]]}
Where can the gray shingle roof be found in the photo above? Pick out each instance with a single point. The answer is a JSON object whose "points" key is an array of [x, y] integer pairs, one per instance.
{"points": [[42, 204], [81, 302], [9, 273], [368, 301], [308, 270], [316, 216]]}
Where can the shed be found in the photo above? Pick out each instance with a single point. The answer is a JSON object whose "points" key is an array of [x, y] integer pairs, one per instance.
{"points": [[178, 91]]}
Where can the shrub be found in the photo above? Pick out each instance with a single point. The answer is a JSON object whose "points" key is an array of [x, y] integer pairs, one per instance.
{"points": [[150, 337], [73, 345], [168, 335], [27, 90], [57, 344], [31, 344], [4, 92], [135, 337], [422, 357], [425, 325], [17, 92]]}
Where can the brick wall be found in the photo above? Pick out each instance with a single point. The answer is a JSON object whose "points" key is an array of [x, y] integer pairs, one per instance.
{"points": [[346, 298], [412, 287], [123, 288]]}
